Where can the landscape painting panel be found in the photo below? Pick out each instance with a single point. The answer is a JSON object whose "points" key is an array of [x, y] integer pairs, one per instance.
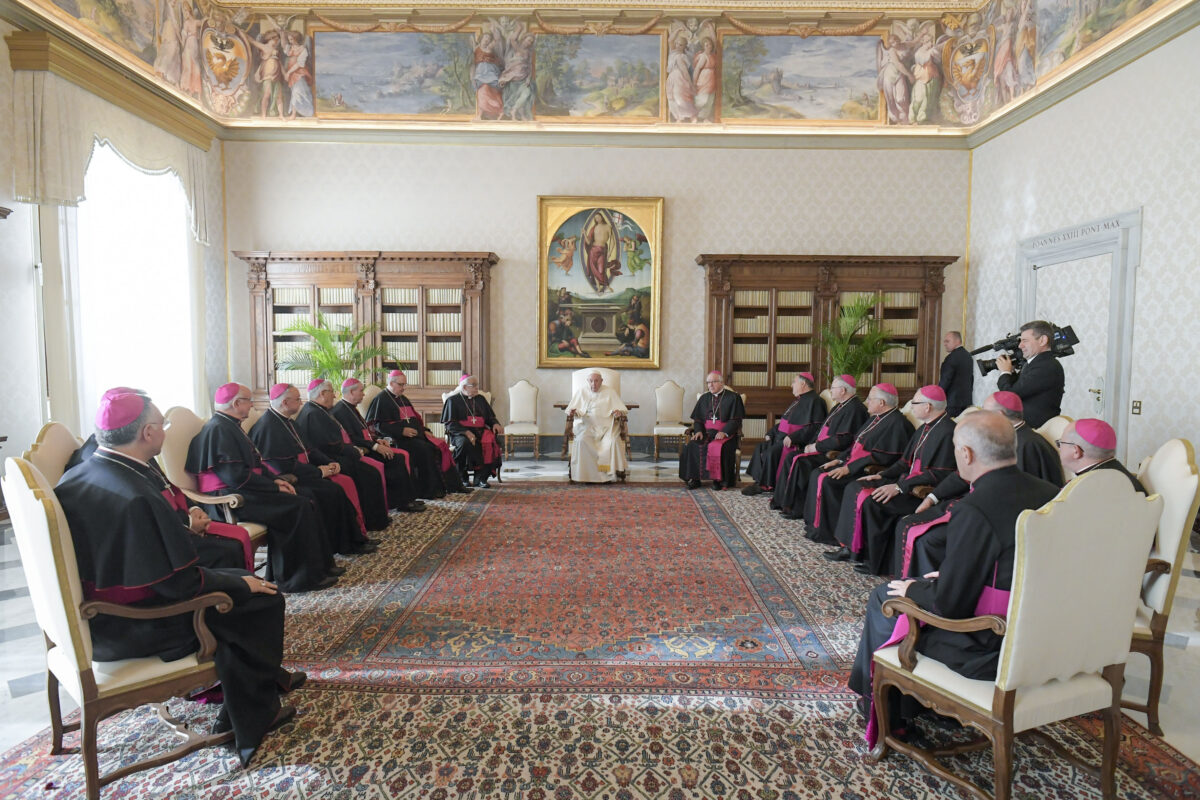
{"points": [[1066, 27], [395, 74], [598, 76], [786, 77], [128, 23]]}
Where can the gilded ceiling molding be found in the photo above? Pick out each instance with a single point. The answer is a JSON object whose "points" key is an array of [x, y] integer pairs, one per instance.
{"points": [[803, 31], [44, 52], [396, 27], [596, 28], [896, 7]]}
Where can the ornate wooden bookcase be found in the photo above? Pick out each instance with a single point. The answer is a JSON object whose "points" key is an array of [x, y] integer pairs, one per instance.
{"points": [[429, 309], [764, 312]]}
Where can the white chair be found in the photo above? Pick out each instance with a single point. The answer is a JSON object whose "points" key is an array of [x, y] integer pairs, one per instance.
{"points": [[1065, 643], [907, 411], [522, 416], [827, 396], [610, 378], [53, 448], [369, 393], [1052, 429], [965, 411], [668, 415], [100, 688], [1171, 472], [178, 437], [251, 418]]}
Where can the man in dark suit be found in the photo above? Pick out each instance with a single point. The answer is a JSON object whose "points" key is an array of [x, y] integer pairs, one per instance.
{"points": [[1040, 384], [958, 374]]}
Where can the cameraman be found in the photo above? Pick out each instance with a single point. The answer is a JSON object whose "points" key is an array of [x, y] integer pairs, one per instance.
{"points": [[1040, 383]]}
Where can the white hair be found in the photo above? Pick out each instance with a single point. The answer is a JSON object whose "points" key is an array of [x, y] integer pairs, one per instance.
{"points": [[843, 384], [315, 392], [890, 400], [228, 404], [936, 405], [277, 402], [994, 444]]}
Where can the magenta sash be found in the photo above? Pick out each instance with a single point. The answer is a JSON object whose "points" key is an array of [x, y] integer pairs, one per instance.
{"points": [[347, 484], [914, 533], [378, 465], [487, 439], [858, 504], [991, 601], [345, 436], [856, 452], [178, 501], [787, 429], [404, 455], [209, 483], [408, 412], [712, 458]]}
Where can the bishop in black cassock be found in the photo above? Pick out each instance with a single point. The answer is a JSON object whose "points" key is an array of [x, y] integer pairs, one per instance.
{"points": [[797, 428], [393, 415], [318, 428], [132, 549], [879, 443], [1089, 444], [873, 504], [980, 553], [285, 453], [845, 419], [224, 460], [710, 453], [401, 488], [465, 412]]}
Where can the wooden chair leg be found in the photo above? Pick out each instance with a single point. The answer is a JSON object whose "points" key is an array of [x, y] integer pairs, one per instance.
{"points": [[1155, 655], [88, 722], [656, 448], [1002, 759], [537, 446], [56, 723], [1115, 675], [884, 725]]}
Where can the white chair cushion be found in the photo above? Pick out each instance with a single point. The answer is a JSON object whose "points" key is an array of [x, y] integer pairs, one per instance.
{"points": [[670, 430], [521, 428], [256, 530], [117, 676], [1034, 706]]}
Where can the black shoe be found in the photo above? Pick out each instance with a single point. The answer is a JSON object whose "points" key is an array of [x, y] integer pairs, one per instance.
{"points": [[221, 724], [773, 505], [841, 554], [460, 490], [282, 717], [793, 515], [752, 490], [324, 583], [295, 680], [718, 486], [863, 569], [414, 507], [361, 548], [336, 572], [693, 484], [438, 495]]}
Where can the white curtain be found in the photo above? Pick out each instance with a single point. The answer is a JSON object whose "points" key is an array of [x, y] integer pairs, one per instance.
{"points": [[56, 124]]}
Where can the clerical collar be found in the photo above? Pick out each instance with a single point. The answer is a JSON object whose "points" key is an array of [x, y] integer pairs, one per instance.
{"points": [[1019, 425], [1097, 464], [119, 454]]}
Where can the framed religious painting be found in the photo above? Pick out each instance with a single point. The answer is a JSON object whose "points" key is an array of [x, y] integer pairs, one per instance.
{"points": [[599, 282]]}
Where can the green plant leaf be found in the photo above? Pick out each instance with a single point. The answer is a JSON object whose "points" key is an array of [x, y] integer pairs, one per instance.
{"points": [[334, 353], [855, 340]]}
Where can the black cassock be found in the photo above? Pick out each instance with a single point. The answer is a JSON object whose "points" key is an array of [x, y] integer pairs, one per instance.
{"points": [[1112, 463], [713, 413], [800, 422], [837, 433], [880, 442], [1034, 456], [391, 416], [131, 548], [461, 414], [318, 428], [980, 549], [401, 489], [865, 526], [286, 453], [224, 460]]}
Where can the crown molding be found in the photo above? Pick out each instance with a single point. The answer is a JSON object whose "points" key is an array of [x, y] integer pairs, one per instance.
{"points": [[686, 6], [45, 52]]}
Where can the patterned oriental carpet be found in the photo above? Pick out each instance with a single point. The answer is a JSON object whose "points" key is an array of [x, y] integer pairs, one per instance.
{"points": [[551, 641]]}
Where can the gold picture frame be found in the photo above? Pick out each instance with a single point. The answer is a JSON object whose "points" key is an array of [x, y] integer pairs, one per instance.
{"points": [[599, 282]]}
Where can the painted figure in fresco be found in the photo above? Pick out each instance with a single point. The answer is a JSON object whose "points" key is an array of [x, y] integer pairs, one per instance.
{"points": [[704, 72], [967, 61], [681, 93], [269, 74], [297, 75], [895, 78], [562, 335], [566, 255], [489, 100], [601, 251], [562, 301], [168, 57], [516, 80], [927, 79], [191, 76], [1026, 46], [635, 340], [1004, 68], [633, 254]]}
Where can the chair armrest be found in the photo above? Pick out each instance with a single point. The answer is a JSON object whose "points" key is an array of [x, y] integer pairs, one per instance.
{"points": [[873, 469], [921, 492], [1156, 566], [231, 500], [208, 645], [908, 648]]}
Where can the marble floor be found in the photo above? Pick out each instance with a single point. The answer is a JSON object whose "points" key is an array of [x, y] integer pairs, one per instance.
{"points": [[22, 678]]}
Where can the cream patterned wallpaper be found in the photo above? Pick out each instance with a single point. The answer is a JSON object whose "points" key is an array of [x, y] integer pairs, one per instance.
{"points": [[397, 197], [1125, 142], [216, 335]]}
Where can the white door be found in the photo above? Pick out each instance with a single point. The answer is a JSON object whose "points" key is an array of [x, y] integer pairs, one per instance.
{"points": [[1076, 293]]}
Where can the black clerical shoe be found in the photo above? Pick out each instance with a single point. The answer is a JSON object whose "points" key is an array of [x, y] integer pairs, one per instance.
{"points": [[221, 724], [773, 505], [365, 546], [693, 484], [752, 490], [282, 717], [863, 569], [336, 572], [295, 680], [324, 583], [841, 554], [416, 506], [793, 515], [718, 486], [460, 490], [483, 484]]}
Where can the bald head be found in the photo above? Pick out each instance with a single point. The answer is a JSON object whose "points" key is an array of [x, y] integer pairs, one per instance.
{"points": [[984, 441]]}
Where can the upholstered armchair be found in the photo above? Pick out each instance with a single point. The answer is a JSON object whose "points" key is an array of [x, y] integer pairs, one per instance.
{"points": [[827, 396], [1052, 429], [578, 381], [100, 688], [52, 450], [254, 416], [668, 415], [522, 417], [369, 393], [1077, 572], [1170, 472]]}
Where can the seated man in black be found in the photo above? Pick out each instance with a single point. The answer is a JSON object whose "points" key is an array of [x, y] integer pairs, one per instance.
{"points": [[1089, 444], [796, 428], [132, 549], [393, 416], [471, 427], [713, 438]]}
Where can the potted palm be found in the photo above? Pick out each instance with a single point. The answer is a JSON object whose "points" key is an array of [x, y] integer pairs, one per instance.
{"points": [[333, 352], [855, 340]]}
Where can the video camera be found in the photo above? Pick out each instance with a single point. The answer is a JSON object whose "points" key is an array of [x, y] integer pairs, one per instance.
{"points": [[1061, 344]]}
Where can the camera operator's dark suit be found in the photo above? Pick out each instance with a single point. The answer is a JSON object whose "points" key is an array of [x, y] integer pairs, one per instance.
{"points": [[1040, 386], [958, 374]]}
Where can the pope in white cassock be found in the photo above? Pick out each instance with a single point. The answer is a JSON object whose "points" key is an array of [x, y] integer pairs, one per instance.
{"points": [[597, 452]]}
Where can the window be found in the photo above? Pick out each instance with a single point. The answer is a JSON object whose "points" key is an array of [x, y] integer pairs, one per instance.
{"points": [[132, 273]]}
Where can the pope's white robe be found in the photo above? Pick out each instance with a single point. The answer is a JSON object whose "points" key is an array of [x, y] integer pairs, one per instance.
{"points": [[597, 452]]}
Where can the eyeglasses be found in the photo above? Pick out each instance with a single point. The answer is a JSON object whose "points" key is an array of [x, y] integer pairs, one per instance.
{"points": [[709, 382], [1061, 442], [918, 402], [166, 423]]}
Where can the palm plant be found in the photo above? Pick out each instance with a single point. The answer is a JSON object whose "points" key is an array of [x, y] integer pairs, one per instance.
{"points": [[334, 353], [856, 339]]}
